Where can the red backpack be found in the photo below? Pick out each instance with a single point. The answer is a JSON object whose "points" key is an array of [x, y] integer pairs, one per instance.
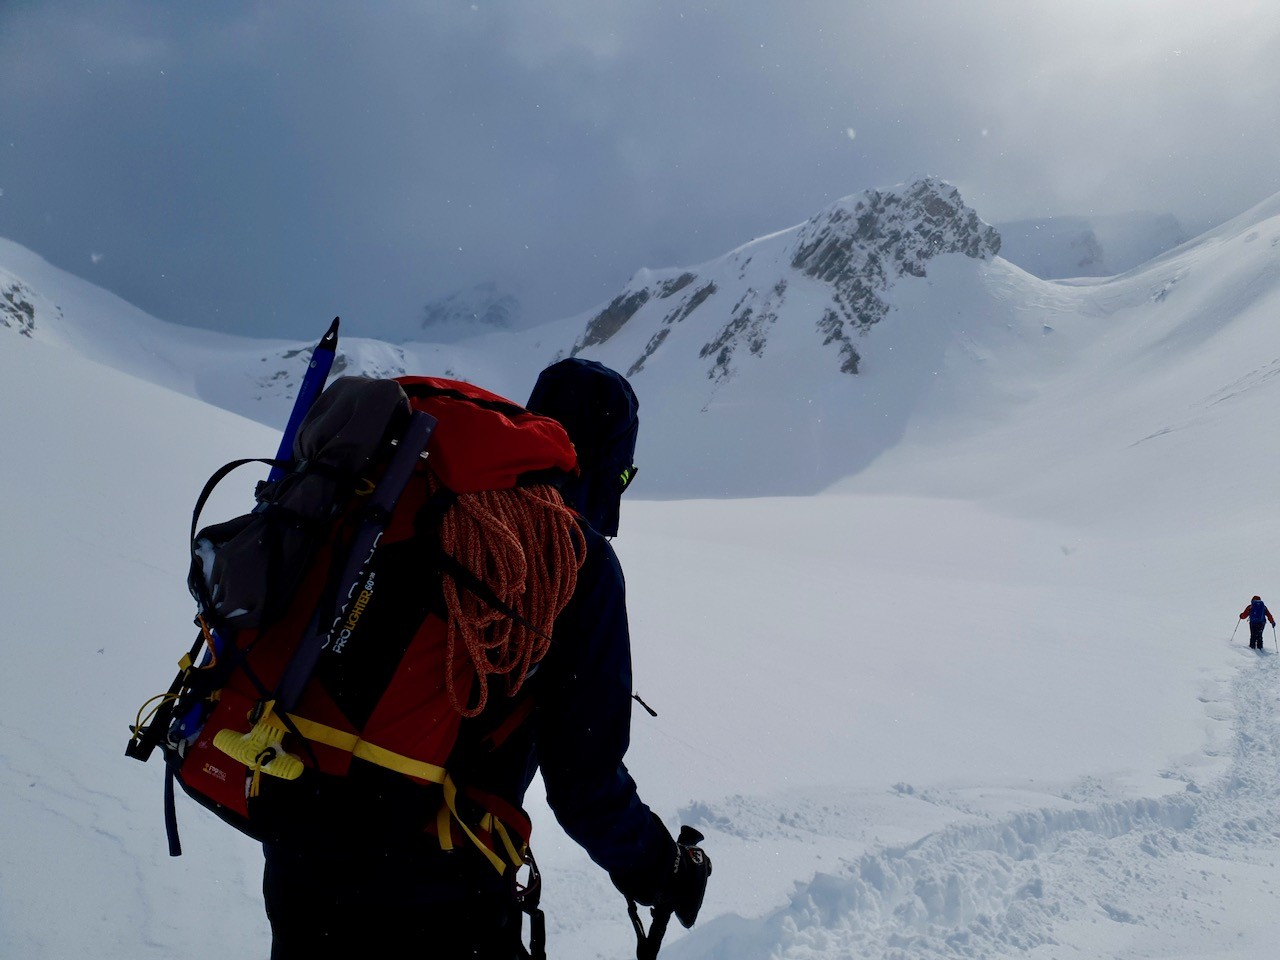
{"points": [[320, 668]]}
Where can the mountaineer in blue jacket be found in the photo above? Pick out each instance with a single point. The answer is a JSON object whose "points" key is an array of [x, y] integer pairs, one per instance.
{"points": [[1257, 614], [348, 881]]}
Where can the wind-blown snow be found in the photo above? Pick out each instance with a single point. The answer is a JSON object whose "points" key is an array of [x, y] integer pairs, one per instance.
{"points": [[974, 699]]}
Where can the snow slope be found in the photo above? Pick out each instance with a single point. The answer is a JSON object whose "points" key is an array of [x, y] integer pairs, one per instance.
{"points": [[975, 700], [252, 377]]}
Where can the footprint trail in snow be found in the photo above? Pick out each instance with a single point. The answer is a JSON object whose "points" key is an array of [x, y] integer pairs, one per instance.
{"points": [[1129, 878]]}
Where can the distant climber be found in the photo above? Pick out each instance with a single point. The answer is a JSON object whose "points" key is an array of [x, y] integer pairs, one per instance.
{"points": [[1257, 614]]}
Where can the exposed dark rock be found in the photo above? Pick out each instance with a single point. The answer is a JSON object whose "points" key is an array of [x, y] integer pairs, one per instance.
{"points": [[16, 309], [832, 329], [669, 287], [748, 326], [675, 316], [654, 343], [611, 319], [689, 305]]}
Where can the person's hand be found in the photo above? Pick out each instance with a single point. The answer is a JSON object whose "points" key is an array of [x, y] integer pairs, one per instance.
{"points": [[675, 883], [689, 879]]}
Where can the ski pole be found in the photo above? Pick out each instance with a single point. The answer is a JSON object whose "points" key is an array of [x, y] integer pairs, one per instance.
{"points": [[1273, 638], [1233, 633]]}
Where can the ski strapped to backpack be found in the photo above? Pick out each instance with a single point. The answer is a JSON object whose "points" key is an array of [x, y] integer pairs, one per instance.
{"points": [[331, 667]]}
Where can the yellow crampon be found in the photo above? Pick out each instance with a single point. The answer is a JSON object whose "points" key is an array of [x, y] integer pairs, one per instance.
{"points": [[260, 749]]}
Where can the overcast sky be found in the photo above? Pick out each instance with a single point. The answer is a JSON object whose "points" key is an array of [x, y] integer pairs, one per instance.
{"points": [[261, 167]]}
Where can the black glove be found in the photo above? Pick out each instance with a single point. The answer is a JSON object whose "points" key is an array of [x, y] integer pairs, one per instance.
{"points": [[673, 881], [677, 886], [688, 882]]}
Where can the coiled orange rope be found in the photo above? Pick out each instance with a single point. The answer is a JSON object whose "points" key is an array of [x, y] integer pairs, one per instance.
{"points": [[525, 544]]}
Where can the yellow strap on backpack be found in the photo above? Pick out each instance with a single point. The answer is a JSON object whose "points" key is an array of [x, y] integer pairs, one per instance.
{"points": [[446, 841], [261, 751]]}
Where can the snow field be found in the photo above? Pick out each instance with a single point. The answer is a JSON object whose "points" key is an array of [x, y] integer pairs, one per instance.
{"points": [[975, 701]]}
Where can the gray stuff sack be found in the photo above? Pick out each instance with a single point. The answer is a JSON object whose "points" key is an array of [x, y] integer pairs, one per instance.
{"points": [[245, 571]]}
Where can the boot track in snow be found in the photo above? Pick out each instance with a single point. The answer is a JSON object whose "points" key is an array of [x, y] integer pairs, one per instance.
{"points": [[1144, 877]]}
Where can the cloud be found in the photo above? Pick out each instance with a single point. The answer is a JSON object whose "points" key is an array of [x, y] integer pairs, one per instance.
{"points": [[279, 162]]}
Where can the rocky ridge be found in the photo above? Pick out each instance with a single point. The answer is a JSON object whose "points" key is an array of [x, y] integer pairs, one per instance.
{"points": [[857, 249], [17, 305]]}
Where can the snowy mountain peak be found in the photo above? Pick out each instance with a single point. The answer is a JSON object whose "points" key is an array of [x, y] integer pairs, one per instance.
{"points": [[478, 309], [856, 250], [861, 245], [906, 227]]}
